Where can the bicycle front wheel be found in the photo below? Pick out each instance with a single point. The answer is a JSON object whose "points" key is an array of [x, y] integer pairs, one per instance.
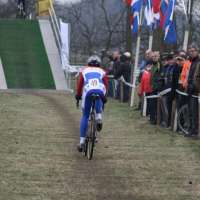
{"points": [[183, 119]]}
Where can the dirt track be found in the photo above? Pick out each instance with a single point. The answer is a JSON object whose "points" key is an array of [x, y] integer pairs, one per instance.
{"points": [[38, 157]]}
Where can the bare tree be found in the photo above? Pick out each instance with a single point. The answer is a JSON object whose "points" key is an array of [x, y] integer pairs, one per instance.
{"points": [[96, 25]]}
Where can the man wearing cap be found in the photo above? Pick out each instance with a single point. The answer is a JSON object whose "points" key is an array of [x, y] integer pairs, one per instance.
{"points": [[170, 74]]}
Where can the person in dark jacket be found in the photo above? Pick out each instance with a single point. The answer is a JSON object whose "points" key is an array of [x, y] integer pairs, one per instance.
{"points": [[155, 74], [193, 90], [115, 68], [170, 76], [125, 71]]}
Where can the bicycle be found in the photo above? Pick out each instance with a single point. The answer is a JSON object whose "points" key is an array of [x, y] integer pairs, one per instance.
{"points": [[183, 119], [92, 130]]}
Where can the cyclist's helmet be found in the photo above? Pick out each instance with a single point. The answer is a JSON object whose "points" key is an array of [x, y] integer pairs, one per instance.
{"points": [[94, 61]]}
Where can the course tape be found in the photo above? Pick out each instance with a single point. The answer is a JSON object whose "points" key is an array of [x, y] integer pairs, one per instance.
{"points": [[126, 83], [185, 94], [159, 94]]}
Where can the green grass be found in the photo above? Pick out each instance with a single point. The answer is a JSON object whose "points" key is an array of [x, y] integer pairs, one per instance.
{"points": [[23, 55]]}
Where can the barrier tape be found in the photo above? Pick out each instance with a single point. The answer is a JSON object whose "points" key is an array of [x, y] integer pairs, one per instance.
{"points": [[185, 94], [166, 91], [126, 83], [162, 93]]}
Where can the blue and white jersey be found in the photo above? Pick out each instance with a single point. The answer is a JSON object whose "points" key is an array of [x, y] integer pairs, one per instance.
{"points": [[93, 80]]}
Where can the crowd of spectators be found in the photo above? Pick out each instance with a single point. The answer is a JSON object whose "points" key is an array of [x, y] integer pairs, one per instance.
{"points": [[174, 77]]}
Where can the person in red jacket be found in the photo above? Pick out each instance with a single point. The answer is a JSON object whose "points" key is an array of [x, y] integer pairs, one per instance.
{"points": [[145, 85]]}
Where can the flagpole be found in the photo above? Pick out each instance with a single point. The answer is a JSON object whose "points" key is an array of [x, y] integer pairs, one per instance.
{"points": [[136, 59], [150, 40], [188, 23], [186, 34]]}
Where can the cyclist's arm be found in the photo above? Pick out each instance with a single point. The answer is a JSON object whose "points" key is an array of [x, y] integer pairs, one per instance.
{"points": [[105, 81], [80, 85]]}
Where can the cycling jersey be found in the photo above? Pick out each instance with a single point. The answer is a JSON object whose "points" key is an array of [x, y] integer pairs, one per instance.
{"points": [[92, 80]]}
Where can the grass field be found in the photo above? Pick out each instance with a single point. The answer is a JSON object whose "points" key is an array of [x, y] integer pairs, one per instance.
{"points": [[133, 160], [23, 55]]}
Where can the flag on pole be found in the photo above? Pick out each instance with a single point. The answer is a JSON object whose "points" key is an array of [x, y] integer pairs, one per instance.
{"points": [[163, 11], [152, 13], [156, 12], [169, 27], [136, 6], [148, 13]]}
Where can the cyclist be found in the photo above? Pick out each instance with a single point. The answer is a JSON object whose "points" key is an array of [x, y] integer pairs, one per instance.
{"points": [[92, 80]]}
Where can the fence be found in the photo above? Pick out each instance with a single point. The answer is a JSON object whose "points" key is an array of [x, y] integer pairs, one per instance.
{"points": [[175, 111]]}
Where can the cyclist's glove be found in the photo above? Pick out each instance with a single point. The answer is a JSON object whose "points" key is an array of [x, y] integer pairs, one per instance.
{"points": [[77, 97]]}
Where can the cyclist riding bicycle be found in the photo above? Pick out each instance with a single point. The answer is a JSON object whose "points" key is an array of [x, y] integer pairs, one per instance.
{"points": [[92, 80]]}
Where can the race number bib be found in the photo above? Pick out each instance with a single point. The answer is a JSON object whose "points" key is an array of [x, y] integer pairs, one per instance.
{"points": [[94, 83]]}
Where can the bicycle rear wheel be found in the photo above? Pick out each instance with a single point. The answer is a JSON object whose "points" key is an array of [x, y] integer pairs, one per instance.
{"points": [[183, 119], [91, 137]]}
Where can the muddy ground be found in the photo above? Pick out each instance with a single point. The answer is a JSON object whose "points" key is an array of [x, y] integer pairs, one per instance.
{"points": [[39, 131]]}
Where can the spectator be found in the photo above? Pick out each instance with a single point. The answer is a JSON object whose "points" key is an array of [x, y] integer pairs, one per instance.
{"points": [[197, 78], [155, 85], [125, 71], [185, 71], [23, 3], [148, 57], [183, 65], [192, 89], [170, 74], [145, 85], [19, 6], [116, 65]]}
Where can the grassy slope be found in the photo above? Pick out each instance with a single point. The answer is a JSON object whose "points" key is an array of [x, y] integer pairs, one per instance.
{"points": [[133, 160], [23, 55]]}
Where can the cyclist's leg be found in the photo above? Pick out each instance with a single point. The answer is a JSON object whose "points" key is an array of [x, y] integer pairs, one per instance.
{"points": [[84, 120], [98, 116]]}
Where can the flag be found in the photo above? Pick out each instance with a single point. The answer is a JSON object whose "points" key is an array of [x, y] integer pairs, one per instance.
{"points": [[136, 6], [163, 11], [148, 14], [152, 13], [128, 2], [169, 27], [156, 12]]}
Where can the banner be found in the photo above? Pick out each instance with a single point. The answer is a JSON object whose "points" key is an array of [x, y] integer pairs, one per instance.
{"points": [[43, 7], [64, 33]]}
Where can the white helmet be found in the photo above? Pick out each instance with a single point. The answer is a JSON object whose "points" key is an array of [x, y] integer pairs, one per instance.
{"points": [[94, 61]]}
